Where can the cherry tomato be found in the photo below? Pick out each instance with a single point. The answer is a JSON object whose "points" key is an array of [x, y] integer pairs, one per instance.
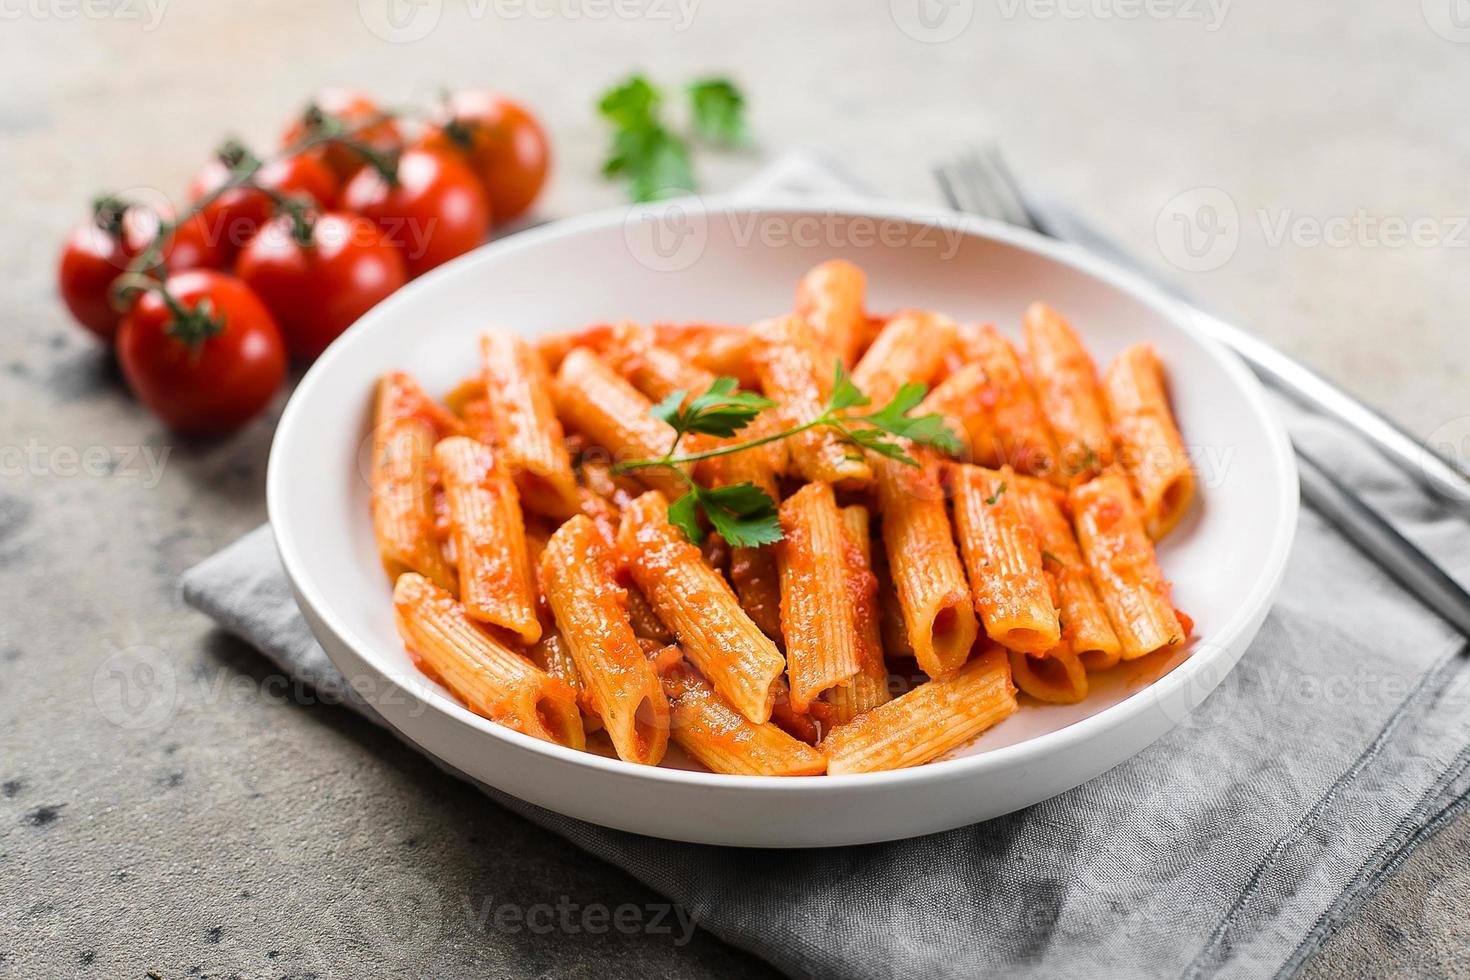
{"points": [[353, 111], [318, 291], [502, 143], [234, 217], [435, 211], [94, 255], [212, 372]]}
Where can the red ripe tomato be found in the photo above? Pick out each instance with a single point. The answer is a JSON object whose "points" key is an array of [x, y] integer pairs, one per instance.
{"points": [[355, 112], [208, 373], [436, 210], [501, 141], [234, 217], [94, 255], [318, 291]]}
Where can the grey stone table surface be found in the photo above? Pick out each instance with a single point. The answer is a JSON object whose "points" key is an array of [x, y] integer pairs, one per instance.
{"points": [[231, 829]]}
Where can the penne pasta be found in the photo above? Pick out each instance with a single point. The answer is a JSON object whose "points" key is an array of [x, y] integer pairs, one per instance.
{"points": [[717, 349], [651, 369], [869, 687], [496, 583], [699, 607], [902, 599], [1086, 630], [488, 677], [911, 348], [830, 299], [598, 402], [817, 617], [1003, 558], [1121, 558], [928, 579], [402, 482], [933, 718], [796, 374], [1056, 677], [712, 731], [1012, 415], [1065, 380], [1149, 445], [528, 433], [591, 612]]}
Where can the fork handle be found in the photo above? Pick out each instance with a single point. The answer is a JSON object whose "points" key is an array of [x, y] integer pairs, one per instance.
{"points": [[1448, 482]]}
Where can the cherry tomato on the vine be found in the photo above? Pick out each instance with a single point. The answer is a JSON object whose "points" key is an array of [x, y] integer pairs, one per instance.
{"points": [[318, 291], [434, 211], [94, 255], [232, 219], [349, 110], [501, 141], [210, 371]]}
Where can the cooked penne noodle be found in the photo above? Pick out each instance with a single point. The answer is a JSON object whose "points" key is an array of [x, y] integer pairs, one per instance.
{"points": [[817, 616], [555, 348], [496, 583], [550, 653], [719, 350], [882, 625], [1056, 677], [645, 622], [1086, 630], [830, 299], [1149, 445], [699, 607], [757, 584], [402, 482], [1014, 417], [1120, 556], [938, 610], [869, 687], [938, 715], [1065, 380], [796, 374], [1003, 558], [598, 402], [652, 369], [528, 433], [911, 348], [488, 677], [591, 612], [712, 731]]}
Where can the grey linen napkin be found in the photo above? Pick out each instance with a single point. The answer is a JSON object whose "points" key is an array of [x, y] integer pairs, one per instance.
{"points": [[1231, 847]]}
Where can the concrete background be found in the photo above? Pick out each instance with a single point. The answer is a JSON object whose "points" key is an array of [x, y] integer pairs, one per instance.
{"points": [[233, 831]]}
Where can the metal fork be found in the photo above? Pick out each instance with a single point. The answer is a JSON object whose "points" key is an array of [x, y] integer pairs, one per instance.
{"points": [[981, 183]]}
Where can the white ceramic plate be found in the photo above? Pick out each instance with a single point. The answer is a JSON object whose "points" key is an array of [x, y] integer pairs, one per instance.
{"points": [[732, 263]]}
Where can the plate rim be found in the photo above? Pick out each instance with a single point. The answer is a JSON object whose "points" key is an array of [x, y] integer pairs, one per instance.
{"points": [[1261, 597]]}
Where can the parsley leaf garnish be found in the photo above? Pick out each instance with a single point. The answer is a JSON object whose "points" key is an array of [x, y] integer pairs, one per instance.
{"points": [[652, 157], [743, 513], [718, 109], [994, 498]]}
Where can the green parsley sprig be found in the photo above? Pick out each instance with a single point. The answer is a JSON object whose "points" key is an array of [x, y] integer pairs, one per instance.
{"points": [[651, 155], [742, 513]]}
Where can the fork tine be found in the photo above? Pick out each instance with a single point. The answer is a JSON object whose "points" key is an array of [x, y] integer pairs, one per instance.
{"points": [[1006, 179], [979, 182]]}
